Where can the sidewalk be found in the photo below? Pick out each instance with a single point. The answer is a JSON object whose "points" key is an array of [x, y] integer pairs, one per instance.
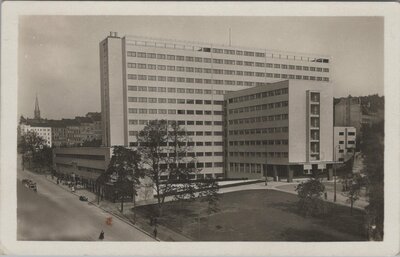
{"points": [[340, 198], [142, 223]]}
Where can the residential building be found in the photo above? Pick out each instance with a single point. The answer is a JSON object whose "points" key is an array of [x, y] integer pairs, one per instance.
{"points": [[280, 129], [42, 130], [73, 132], [96, 130], [352, 112], [59, 135], [186, 82], [344, 143]]}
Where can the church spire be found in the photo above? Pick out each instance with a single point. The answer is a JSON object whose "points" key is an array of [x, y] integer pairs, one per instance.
{"points": [[37, 110]]}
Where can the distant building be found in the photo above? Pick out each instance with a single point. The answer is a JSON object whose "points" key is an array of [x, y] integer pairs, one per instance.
{"points": [[351, 112], [42, 131], [70, 132], [73, 133], [37, 110], [59, 135], [280, 129], [96, 125], [344, 141]]}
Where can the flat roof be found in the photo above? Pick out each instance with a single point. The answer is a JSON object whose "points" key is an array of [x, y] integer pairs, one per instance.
{"points": [[229, 47]]}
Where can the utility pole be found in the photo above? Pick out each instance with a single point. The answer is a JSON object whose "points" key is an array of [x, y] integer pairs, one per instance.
{"points": [[334, 172]]}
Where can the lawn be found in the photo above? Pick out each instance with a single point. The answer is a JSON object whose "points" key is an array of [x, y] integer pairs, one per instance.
{"points": [[259, 215]]}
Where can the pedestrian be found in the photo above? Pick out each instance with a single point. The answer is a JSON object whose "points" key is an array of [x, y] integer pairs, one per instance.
{"points": [[326, 195], [155, 232], [101, 236], [266, 181]]}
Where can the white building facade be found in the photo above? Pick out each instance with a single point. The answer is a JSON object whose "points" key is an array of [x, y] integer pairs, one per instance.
{"points": [[145, 79], [344, 143], [280, 129], [43, 132]]}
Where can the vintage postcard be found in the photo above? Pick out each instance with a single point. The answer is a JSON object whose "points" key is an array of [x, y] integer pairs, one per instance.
{"points": [[218, 128]]}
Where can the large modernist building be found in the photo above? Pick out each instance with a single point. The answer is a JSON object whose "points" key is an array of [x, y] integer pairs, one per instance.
{"points": [[279, 129], [144, 79]]}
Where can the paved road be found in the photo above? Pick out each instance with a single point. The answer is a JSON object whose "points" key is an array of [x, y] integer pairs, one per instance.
{"points": [[55, 214]]}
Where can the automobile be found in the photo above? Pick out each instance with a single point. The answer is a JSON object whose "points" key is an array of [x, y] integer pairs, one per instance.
{"points": [[25, 181], [83, 198], [33, 186]]}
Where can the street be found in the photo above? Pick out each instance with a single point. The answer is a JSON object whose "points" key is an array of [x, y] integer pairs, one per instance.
{"points": [[55, 214]]}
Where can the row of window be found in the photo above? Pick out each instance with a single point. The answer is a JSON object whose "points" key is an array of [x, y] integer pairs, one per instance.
{"points": [[172, 111], [191, 154], [223, 82], [270, 93], [348, 133], [351, 142], [261, 54], [177, 90], [259, 154], [259, 142], [260, 107], [245, 167], [256, 119], [192, 165], [173, 100], [188, 133], [225, 72], [219, 61], [41, 129], [258, 131], [182, 122]]}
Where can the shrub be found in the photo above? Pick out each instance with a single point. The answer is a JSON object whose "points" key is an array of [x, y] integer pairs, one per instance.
{"points": [[310, 198]]}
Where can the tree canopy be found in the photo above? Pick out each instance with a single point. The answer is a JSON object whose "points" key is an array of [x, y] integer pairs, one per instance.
{"points": [[372, 148]]}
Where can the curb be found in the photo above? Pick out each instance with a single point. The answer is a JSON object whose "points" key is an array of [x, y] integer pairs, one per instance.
{"points": [[123, 219]]}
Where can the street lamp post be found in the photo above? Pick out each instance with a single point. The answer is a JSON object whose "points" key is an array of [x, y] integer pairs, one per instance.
{"points": [[334, 173]]}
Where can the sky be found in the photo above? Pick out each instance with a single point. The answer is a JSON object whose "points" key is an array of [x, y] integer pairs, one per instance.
{"points": [[58, 56]]}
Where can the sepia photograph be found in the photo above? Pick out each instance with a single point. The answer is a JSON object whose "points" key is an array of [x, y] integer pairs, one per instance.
{"points": [[200, 128]]}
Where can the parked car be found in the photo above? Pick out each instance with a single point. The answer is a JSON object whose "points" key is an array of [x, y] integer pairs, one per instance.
{"points": [[33, 186], [30, 184], [83, 198]]}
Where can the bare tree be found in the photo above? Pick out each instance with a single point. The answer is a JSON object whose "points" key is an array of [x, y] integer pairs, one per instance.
{"points": [[167, 160]]}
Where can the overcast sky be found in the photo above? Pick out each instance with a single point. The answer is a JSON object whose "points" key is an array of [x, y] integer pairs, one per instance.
{"points": [[59, 55]]}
